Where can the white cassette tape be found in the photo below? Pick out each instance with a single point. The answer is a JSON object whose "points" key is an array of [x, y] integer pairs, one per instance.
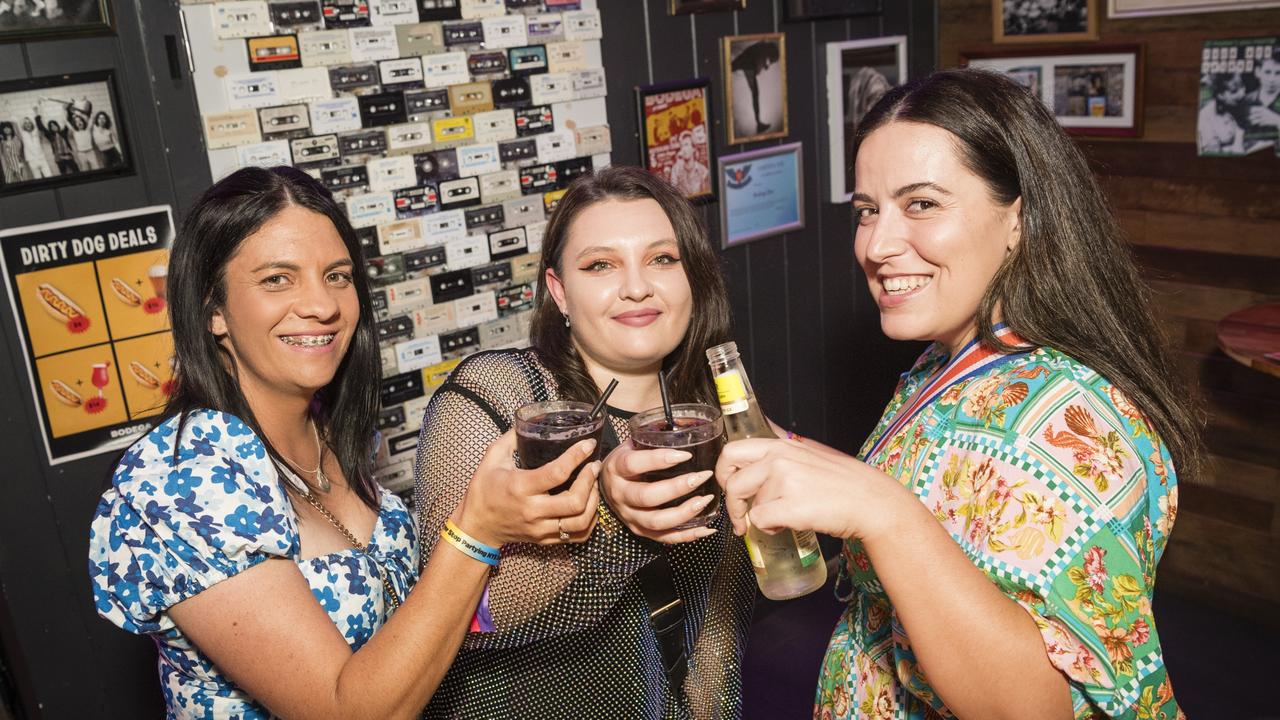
{"points": [[522, 211], [495, 125], [506, 31], [407, 294], [371, 209], [467, 252], [397, 477], [391, 173], [443, 69], [478, 160], [392, 12], [229, 129], [499, 187], [444, 226], [551, 88], [408, 138], [432, 319], [472, 9], [546, 27], [252, 90], [388, 357], [374, 43], [589, 83], [303, 84], [501, 333], [242, 19], [418, 353], [314, 149], [414, 410], [475, 309], [556, 146], [534, 232], [582, 25], [401, 236], [424, 38], [566, 56], [265, 154], [400, 71], [335, 115], [325, 47], [524, 268], [594, 140]]}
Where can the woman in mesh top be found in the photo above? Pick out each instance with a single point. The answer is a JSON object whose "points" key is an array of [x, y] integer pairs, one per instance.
{"points": [[629, 285]]}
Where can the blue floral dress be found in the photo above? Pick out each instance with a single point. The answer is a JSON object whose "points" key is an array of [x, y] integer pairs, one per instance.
{"points": [[169, 528]]}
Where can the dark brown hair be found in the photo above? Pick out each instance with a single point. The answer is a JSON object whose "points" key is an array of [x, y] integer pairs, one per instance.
{"points": [[686, 366], [1070, 283]]}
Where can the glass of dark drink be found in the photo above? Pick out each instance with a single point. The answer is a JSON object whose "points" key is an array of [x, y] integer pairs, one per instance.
{"points": [[545, 430], [699, 430]]}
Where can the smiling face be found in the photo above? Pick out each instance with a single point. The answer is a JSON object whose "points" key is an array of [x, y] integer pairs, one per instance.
{"points": [[291, 306], [622, 285], [929, 237]]}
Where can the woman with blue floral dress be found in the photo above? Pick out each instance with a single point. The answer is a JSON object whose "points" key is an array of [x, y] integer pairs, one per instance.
{"points": [[245, 533]]}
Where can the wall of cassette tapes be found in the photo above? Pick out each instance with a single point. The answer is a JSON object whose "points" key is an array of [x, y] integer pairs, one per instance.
{"points": [[450, 128]]}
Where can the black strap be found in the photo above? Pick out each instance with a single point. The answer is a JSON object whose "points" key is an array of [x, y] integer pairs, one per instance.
{"points": [[666, 617]]}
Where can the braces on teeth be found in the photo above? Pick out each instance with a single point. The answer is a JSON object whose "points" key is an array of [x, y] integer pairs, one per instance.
{"points": [[309, 340]]}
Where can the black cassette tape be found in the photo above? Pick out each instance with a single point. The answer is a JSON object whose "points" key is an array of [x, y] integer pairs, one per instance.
{"points": [[511, 93], [517, 150], [363, 142], [421, 102], [459, 342], [528, 60], [368, 239], [515, 299], [508, 243], [353, 77], [520, 4], [463, 33], [424, 259], [378, 301], [487, 63], [294, 14], [538, 179], [345, 177], [451, 285], [395, 329], [568, 170], [415, 201], [344, 13], [439, 10], [488, 215], [460, 193], [534, 120], [385, 269], [403, 443], [491, 274], [400, 74], [390, 417], [400, 388], [382, 109], [436, 166]]}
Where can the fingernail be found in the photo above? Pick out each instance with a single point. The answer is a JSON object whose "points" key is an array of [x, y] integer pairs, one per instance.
{"points": [[705, 500], [697, 479], [590, 444], [708, 532], [677, 456]]}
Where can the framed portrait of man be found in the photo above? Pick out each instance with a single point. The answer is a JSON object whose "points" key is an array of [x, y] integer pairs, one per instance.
{"points": [[675, 135]]}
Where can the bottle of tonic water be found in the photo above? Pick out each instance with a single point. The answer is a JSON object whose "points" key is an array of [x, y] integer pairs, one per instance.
{"points": [[787, 564]]}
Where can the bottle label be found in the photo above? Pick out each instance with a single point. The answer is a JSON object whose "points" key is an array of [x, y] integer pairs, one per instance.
{"points": [[757, 560], [807, 546], [732, 392]]}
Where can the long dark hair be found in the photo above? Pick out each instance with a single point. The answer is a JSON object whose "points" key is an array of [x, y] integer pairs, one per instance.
{"points": [[230, 211], [709, 325], [1070, 283]]}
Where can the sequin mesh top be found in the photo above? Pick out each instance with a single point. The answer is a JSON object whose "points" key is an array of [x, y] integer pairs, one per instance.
{"points": [[572, 636]]}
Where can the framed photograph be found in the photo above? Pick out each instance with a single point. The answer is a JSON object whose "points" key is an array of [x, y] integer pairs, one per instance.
{"points": [[675, 135], [1096, 93], [59, 130], [859, 73], [761, 194], [1239, 104], [800, 10], [1121, 9], [1043, 20], [755, 81], [21, 21], [687, 7]]}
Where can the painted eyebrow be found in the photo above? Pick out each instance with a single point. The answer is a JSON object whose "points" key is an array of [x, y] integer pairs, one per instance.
{"points": [[281, 265], [904, 190], [602, 248]]}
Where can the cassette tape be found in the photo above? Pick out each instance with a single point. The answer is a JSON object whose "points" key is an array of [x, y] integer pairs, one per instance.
{"points": [[381, 109], [518, 151], [511, 92], [550, 200], [493, 274], [415, 409], [371, 209], [238, 127], [300, 84], [444, 226], [385, 269], [535, 232], [420, 104], [387, 361], [284, 120], [463, 34], [401, 236], [483, 215], [433, 167], [391, 173], [345, 178], [434, 376], [482, 8], [515, 299], [345, 13], [476, 309], [439, 9], [398, 477], [460, 193], [449, 286], [500, 333], [551, 88], [373, 44], [534, 120], [416, 201], [252, 90], [418, 353], [460, 342], [353, 77], [537, 179], [484, 63], [569, 170], [420, 38], [368, 240], [294, 15], [399, 449], [390, 418], [478, 160], [470, 98], [561, 5], [494, 125], [593, 140], [497, 187], [453, 131], [527, 60], [273, 52], [524, 268], [523, 4], [406, 294], [505, 31], [463, 253], [399, 388], [365, 142], [325, 47], [392, 12], [420, 261], [566, 56], [238, 19], [589, 83], [546, 27], [395, 329], [315, 149], [508, 243], [264, 154], [335, 115], [408, 139], [444, 69], [522, 211], [582, 25], [400, 72], [556, 145]]}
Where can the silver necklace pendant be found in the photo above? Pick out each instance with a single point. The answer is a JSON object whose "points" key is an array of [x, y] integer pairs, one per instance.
{"points": [[322, 480]]}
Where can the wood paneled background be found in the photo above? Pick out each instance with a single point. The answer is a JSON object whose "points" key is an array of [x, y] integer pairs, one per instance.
{"points": [[1206, 232]]}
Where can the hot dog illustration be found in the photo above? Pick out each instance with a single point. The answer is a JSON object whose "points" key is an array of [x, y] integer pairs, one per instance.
{"points": [[126, 294], [65, 394], [54, 302], [143, 376]]}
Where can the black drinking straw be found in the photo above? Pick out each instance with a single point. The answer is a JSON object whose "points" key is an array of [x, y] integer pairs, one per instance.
{"points": [[666, 400], [604, 396]]}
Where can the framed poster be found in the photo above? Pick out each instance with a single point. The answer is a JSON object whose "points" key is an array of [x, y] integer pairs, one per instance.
{"points": [[675, 135], [859, 73], [1038, 21], [799, 10], [1120, 9], [686, 7], [761, 194], [59, 130], [1239, 96], [1096, 93], [88, 299], [755, 81], [35, 20]]}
